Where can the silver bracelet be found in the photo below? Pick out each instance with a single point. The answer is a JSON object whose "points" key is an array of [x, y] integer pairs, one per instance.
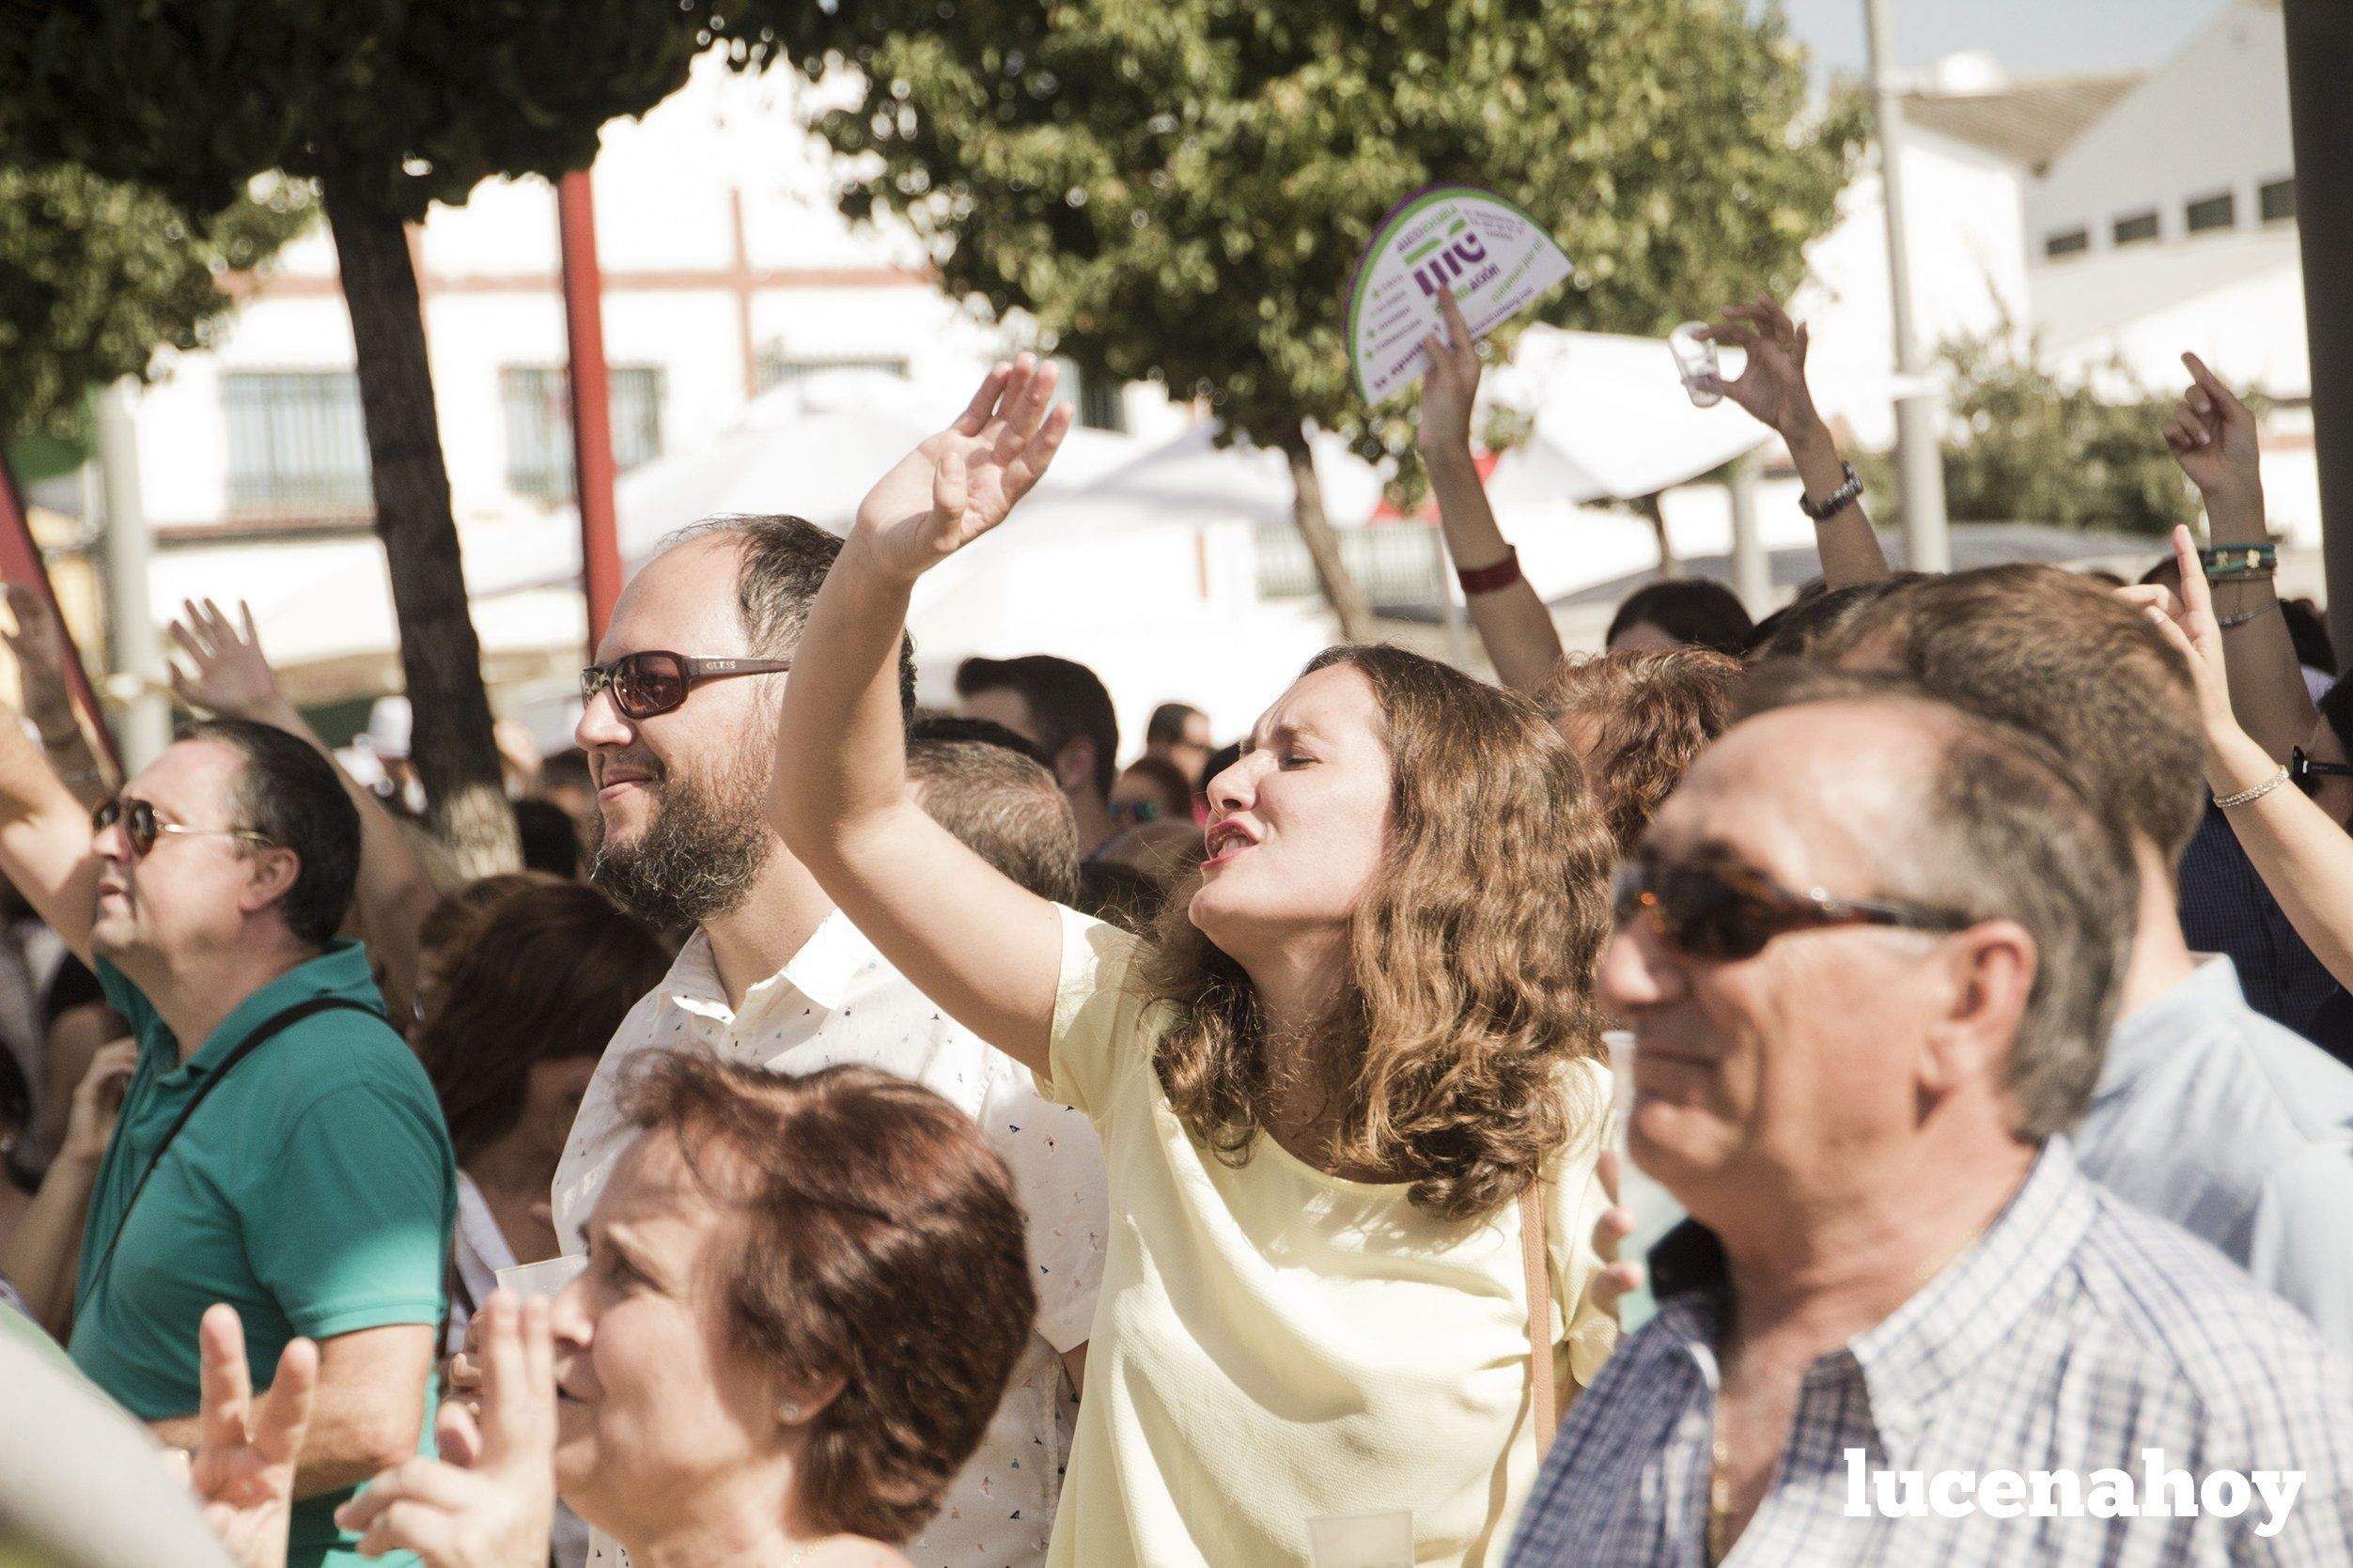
{"points": [[1837, 500], [2277, 778]]}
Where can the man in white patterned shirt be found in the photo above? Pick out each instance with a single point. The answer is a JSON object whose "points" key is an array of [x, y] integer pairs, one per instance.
{"points": [[1866, 948], [680, 731]]}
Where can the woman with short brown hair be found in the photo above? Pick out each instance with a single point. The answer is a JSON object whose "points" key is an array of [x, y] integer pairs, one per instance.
{"points": [[525, 996], [803, 1298]]}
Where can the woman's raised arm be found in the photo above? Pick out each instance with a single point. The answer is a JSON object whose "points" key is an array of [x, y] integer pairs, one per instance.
{"points": [[986, 950]]}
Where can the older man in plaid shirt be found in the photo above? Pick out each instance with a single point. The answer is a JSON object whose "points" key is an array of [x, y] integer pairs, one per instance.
{"points": [[1865, 951]]}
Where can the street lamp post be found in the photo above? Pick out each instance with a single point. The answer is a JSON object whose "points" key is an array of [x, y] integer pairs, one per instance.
{"points": [[1919, 465]]}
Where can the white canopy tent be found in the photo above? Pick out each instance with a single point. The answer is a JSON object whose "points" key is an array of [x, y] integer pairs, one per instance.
{"points": [[813, 446], [1139, 560]]}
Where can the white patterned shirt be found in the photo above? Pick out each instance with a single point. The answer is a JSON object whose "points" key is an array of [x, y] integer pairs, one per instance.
{"points": [[839, 1000], [2076, 1334]]}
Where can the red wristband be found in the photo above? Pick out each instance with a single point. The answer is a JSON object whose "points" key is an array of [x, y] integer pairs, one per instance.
{"points": [[1486, 580]]}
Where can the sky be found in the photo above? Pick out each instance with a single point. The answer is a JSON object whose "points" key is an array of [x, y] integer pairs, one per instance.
{"points": [[2030, 38]]}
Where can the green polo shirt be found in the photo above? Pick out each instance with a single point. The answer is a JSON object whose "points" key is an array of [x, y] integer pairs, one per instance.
{"points": [[313, 1191]]}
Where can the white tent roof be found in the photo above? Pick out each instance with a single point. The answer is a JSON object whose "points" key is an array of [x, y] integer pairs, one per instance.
{"points": [[813, 446], [1613, 421], [333, 599]]}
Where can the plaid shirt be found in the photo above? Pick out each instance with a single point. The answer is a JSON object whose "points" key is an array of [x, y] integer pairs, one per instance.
{"points": [[2073, 1334]]}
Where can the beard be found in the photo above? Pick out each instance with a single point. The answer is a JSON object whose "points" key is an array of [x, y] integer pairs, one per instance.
{"points": [[699, 856]]}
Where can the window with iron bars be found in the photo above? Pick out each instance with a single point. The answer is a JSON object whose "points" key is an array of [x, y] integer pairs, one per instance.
{"points": [[1396, 564], [538, 408], [297, 445], [774, 367]]}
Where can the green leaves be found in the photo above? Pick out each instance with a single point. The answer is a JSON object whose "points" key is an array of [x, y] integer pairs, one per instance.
{"points": [[1189, 198], [411, 102], [96, 276], [2026, 446]]}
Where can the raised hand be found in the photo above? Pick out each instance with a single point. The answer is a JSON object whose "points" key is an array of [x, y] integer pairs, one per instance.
{"points": [[226, 673], [243, 1471], [39, 641], [2212, 435], [1451, 385], [98, 1101], [492, 1502], [963, 482], [1771, 387], [1618, 1280], [2188, 624]]}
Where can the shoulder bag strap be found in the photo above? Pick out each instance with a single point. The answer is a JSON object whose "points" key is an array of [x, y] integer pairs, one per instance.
{"points": [[269, 1029], [1545, 1396]]}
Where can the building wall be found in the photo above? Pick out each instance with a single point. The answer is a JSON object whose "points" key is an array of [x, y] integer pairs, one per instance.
{"points": [[1963, 229], [720, 244], [2212, 118]]}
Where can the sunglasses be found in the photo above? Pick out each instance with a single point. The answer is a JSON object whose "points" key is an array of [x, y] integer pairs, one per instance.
{"points": [[1731, 911], [2305, 773], [647, 684], [142, 826], [1137, 812]]}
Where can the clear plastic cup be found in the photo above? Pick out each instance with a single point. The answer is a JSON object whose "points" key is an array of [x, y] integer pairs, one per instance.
{"points": [[1621, 1044], [1361, 1541], [546, 1279], [1695, 360]]}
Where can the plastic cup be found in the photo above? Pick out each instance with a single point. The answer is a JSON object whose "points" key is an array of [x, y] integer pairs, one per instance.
{"points": [[1694, 360], [1361, 1541], [543, 1279], [1621, 1044]]}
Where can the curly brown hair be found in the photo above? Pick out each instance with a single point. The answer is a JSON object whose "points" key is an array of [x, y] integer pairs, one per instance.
{"points": [[1467, 983], [879, 1241], [1638, 720]]}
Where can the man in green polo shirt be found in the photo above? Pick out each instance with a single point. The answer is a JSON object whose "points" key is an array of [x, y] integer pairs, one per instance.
{"points": [[279, 1147]]}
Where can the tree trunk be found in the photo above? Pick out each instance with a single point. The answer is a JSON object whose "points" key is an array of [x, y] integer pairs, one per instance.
{"points": [[1650, 507], [450, 743], [1340, 590]]}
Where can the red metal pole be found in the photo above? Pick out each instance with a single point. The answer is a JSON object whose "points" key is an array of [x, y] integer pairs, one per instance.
{"points": [[21, 562], [592, 402]]}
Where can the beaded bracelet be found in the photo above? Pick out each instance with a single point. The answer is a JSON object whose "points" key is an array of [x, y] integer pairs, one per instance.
{"points": [[2277, 778], [2232, 562]]}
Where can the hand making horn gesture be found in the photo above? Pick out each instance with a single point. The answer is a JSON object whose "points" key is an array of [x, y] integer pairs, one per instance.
{"points": [[961, 483]]}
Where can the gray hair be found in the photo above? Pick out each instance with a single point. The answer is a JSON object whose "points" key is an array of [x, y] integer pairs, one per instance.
{"points": [[1003, 808], [781, 564], [2003, 831]]}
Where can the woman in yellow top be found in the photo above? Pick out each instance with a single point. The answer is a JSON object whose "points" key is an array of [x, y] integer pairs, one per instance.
{"points": [[1321, 1086]]}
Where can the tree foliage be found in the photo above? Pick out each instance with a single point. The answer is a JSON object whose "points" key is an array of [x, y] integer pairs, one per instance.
{"points": [[2025, 444], [404, 103], [1180, 188], [389, 105], [97, 274]]}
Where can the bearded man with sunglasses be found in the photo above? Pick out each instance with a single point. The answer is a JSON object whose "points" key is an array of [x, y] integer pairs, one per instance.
{"points": [[679, 729], [278, 1147], [1869, 950]]}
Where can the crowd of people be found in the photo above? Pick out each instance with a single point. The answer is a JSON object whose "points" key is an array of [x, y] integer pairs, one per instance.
{"points": [[920, 1139]]}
